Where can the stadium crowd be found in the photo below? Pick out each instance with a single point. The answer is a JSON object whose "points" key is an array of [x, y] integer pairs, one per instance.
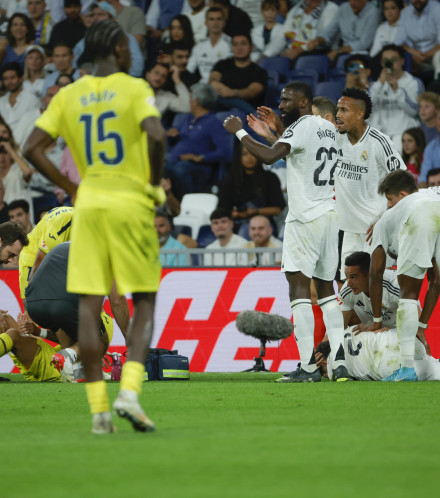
{"points": [[205, 59]]}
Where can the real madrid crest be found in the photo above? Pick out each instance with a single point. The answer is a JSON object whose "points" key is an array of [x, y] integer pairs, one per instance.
{"points": [[364, 155]]}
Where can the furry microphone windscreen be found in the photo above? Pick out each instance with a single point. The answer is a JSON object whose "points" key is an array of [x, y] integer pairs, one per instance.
{"points": [[259, 324]]}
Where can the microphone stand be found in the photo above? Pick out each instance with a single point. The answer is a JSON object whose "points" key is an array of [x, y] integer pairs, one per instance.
{"points": [[259, 363]]}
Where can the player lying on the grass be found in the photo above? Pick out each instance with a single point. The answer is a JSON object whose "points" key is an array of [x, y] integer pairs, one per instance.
{"points": [[32, 355], [375, 355], [410, 231]]}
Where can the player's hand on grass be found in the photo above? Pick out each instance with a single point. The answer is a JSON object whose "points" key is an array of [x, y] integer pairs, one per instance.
{"points": [[233, 124]]}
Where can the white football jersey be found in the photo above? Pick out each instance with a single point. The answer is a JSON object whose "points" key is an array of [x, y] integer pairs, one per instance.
{"points": [[387, 229], [359, 170], [204, 56], [371, 356], [310, 167], [361, 303]]}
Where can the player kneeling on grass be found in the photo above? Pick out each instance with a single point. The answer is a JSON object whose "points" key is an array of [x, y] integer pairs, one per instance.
{"points": [[32, 355]]}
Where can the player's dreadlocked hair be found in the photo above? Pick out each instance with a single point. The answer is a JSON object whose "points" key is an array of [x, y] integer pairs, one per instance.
{"points": [[357, 94], [102, 37]]}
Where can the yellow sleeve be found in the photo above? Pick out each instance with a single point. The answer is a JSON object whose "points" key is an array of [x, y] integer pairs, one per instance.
{"points": [[51, 119], [144, 104]]}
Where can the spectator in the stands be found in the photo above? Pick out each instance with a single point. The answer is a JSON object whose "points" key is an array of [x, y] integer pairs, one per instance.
{"points": [[202, 144], [355, 24], [222, 227], [19, 213], [178, 56], [62, 57], [70, 170], [131, 19], [261, 234], [20, 33], [387, 31], [168, 242], [41, 20], [102, 11], [197, 16], [168, 101], [413, 146], [34, 70], [248, 190], [429, 107], [18, 108], [268, 36], [357, 71], [394, 96], [180, 30], [15, 172], [237, 21], [4, 216], [208, 52], [431, 156], [420, 34], [239, 82], [9, 7], [70, 30], [159, 16], [434, 177], [304, 22]]}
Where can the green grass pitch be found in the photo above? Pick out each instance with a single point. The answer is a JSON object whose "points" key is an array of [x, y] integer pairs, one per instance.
{"points": [[225, 435]]}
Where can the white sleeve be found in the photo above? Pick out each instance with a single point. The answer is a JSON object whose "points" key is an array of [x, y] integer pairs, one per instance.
{"points": [[192, 62], [408, 96], [380, 237], [153, 14], [387, 157], [296, 134], [346, 298], [276, 43]]}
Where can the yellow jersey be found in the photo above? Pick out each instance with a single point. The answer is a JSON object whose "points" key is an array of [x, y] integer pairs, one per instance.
{"points": [[100, 119]]}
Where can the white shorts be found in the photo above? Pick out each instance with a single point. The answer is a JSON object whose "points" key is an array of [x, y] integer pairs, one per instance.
{"points": [[419, 240], [312, 248], [353, 242]]}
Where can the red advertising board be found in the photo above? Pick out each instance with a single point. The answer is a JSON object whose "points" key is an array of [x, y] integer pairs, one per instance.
{"points": [[196, 311]]}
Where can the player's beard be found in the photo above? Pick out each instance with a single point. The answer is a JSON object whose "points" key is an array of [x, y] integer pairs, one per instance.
{"points": [[290, 117]]}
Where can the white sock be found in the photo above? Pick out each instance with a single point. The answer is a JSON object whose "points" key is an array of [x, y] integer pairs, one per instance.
{"points": [[407, 320], [304, 328], [334, 325], [71, 353]]}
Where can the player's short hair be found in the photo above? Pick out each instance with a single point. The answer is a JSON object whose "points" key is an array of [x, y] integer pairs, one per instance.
{"points": [[12, 66], [357, 57], [162, 214], [300, 87], [220, 213], [102, 37], [177, 45], [357, 94], [395, 48], [431, 97], [246, 35], [432, 172], [214, 9], [270, 3], [20, 203], [10, 232], [324, 106], [205, 94], [324, 348], [399, 3], [359, 258], [398, 181]]}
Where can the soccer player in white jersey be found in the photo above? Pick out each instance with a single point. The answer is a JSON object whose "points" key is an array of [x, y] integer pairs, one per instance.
{"points": [[366, 157], [410, 230], [310, 248]]}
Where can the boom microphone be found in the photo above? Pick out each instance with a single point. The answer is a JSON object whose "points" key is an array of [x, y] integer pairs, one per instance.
{"points": [[264, 325]]}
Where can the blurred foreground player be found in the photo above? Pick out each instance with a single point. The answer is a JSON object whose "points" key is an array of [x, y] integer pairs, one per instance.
{"points": [[113, 129]]}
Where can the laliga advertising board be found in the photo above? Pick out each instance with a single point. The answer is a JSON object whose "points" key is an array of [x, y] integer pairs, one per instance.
{"points": [[196, 311]]}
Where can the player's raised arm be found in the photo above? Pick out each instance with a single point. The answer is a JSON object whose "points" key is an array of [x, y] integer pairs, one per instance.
{"points": [[34, 152], [267, 155]]}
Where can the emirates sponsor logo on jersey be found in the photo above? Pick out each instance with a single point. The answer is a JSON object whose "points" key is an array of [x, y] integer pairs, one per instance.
{"points": [[364, 155]]}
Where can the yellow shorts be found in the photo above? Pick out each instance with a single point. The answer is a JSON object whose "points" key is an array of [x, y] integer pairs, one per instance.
{"points": [[41, 369], [113, 243]]}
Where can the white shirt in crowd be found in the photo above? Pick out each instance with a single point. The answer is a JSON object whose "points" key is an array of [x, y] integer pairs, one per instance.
{"points": [[385, 35], [276, 43], [227, 259], [204, 56]]}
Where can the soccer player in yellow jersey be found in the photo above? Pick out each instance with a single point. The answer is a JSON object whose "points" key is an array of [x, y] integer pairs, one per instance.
{"points": [[52, 230], [113, 129]]}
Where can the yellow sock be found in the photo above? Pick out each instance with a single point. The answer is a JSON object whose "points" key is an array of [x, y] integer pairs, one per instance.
{"points": [[132, 376], [6, 344], [97, 396]]}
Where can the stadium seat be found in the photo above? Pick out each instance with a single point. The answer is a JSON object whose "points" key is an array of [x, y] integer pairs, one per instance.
{"points": [[319, 63], [205, 236], [309, 76], [279, 64], [195, 210], [330, 89]]}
